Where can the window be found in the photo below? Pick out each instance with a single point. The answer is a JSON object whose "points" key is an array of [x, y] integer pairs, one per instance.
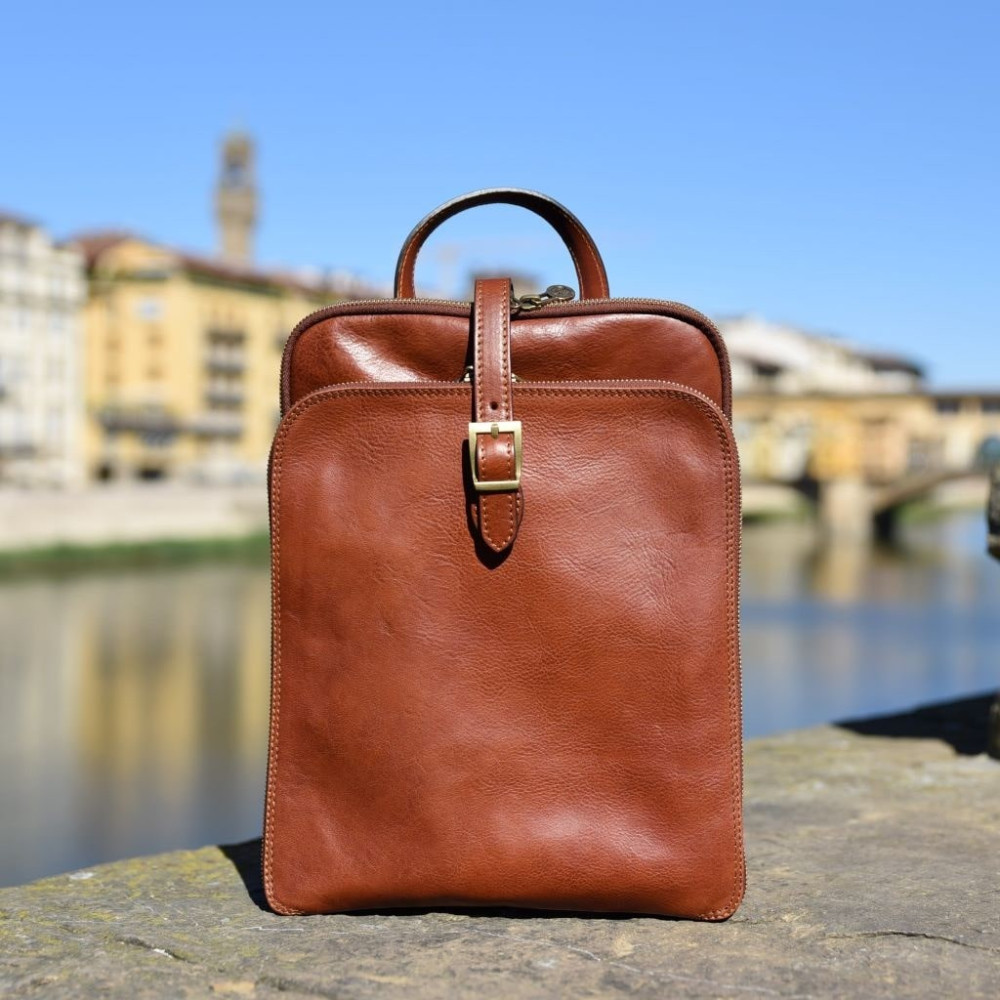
{"points": [[19, 426], [947, 404], [149, 309], [55, 424], [13, 368]]}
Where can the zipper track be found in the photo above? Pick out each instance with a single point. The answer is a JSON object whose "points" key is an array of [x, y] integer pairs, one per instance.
{"points": [[597, 383], [450, 307], [404, 305]]}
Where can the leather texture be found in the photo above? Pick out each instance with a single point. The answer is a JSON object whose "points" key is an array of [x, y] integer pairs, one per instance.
{"points": [[390, 340], [539, 715], [497, 515]]}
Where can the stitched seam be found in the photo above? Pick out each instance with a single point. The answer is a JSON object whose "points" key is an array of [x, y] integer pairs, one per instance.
{"points": [[476, 387], [275, 719], [505, 401], [736, 742], [736, 749], [505, 503], [484, 502], [676, 310], [510, 499]]}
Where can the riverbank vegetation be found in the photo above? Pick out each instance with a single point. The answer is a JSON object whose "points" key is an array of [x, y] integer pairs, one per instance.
{"points": [[68, 559]]}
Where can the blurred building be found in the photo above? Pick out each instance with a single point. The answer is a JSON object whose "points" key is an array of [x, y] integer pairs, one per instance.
{"points": [[810, 407], [183, 351], [41, 404], [236, 199], [183, 355], [772, 358]]}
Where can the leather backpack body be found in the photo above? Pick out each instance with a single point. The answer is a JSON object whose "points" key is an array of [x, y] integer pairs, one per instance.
{"points": [[505, 546]]}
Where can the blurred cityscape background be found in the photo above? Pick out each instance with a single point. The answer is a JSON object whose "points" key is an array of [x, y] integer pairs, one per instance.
{"points": [[125, 360], [796, 166], [138, 398]]}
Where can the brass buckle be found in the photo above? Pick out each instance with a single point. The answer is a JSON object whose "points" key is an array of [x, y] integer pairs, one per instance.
{"points": [[495, 428]]}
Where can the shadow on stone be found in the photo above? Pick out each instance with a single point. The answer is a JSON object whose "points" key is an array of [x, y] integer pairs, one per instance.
{"points": [[246, 859], [962, 723]]}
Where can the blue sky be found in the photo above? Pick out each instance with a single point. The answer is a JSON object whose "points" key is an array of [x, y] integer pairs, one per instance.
{"points": [[832, 165]]}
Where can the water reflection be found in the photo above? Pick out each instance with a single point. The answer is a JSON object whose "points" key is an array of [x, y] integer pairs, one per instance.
{"points": [[134, 704], [835, 632], [134, 714]]}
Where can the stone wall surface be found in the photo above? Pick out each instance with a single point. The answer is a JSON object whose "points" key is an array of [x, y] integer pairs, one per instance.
{"points": [[873, 851], [130, 512]]}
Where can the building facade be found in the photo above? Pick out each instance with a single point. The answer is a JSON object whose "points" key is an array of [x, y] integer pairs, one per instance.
{"points": [[183, 351], [877, 438], [809, 407], [774, 358], [42, 289], [183, 358], [236, 199]]}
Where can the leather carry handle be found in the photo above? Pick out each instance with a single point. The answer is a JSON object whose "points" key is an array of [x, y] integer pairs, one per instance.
{"points": [[589, 266]]}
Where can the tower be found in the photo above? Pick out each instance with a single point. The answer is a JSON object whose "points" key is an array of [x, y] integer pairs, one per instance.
{"points": [[236, 199]]}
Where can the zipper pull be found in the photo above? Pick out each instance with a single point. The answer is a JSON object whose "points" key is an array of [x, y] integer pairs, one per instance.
{"points": [[529, 303]]}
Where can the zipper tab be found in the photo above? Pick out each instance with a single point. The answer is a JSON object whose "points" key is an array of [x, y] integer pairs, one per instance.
{"points": [[529, 303]]}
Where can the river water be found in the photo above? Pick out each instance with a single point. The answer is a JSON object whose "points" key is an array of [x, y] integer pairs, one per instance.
{"points": [[133, 704]]}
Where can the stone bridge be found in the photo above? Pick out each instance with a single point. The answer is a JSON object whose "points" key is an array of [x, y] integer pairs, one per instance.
{"points": [[854, 507], [851, 507]]}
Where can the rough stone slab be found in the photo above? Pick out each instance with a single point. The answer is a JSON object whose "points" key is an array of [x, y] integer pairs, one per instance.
{"points": [[873, 873]]}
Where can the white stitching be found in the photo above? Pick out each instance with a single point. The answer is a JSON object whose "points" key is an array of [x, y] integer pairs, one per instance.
{"points": [[719, 421]]}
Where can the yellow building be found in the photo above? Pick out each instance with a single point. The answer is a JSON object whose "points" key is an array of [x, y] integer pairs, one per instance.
{"points": [[182, 359], [815, 407], [880, 438], [183, 351]]}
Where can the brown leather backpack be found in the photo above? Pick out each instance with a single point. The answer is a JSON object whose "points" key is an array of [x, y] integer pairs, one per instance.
{"points": [[505, 543]]}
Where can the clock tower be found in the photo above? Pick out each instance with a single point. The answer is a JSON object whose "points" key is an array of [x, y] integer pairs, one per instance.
{"points": [[236, 199]]}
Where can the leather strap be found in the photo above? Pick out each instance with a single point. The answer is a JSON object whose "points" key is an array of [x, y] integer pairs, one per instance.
{"points": [[590, 271], [494, 446]]}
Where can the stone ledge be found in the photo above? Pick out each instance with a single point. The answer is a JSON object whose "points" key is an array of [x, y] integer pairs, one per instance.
{"points": [[872, 855]]}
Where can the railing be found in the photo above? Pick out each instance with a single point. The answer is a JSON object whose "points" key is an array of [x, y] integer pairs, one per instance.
{"points": [[210, 424], [228, 396], [139, 420], [22, 448], [225, 364]]}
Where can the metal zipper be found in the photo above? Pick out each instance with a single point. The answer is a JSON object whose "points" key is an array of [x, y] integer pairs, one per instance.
{"points": [[556, 304], [458, 304], [469, 372], [466, 379]]}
